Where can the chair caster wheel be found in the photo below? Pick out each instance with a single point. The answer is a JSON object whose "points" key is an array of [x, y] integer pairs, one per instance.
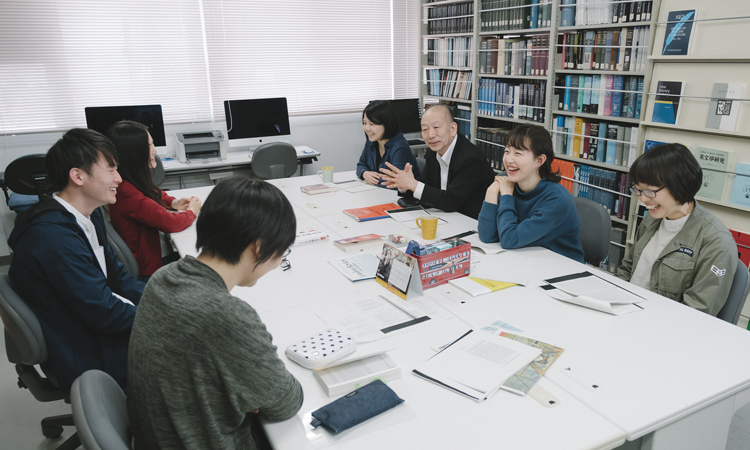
{"points": [[52, 431]]}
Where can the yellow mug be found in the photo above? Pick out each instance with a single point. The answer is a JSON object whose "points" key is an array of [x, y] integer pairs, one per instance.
{"points": [[428, 224]]}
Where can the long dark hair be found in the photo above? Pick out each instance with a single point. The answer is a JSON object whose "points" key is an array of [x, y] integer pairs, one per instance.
{"points": [[537, 140], [131, 140], [380, 112]]}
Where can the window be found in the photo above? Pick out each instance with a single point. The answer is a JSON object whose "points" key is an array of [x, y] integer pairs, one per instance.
{"points": [[59, 56]]}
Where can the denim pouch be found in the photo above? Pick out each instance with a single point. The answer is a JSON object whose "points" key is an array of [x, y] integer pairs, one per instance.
{"points": [[356, 407]]}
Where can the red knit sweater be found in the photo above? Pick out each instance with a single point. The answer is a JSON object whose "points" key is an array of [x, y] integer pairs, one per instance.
{"points": [[138, 220]]}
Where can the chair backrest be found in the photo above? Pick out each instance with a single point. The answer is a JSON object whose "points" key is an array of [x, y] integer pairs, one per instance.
{"points": [[420, 163], [731, 310], [596, 227], [24, 339], [27, 175], [274, 160], [100, 412], [121, 249], [158, 172]]}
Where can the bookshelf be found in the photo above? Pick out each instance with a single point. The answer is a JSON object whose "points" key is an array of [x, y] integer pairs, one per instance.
{"points": [[716, 56]]}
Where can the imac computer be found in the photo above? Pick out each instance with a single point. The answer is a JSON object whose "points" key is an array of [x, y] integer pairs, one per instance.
{"points": [[100, 118], [251, 123]]}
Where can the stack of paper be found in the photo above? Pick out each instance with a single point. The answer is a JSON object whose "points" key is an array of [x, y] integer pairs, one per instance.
{"points": [[477, 364], [591, 291]]}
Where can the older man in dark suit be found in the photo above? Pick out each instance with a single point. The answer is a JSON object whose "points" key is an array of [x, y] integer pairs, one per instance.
{"points": [[456, 173]]}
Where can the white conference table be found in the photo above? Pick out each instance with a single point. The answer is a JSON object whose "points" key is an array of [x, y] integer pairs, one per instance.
{"points": [[669, 374]]}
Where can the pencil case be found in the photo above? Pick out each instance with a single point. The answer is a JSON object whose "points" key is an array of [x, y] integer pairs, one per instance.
{"points": [[356, 407]]}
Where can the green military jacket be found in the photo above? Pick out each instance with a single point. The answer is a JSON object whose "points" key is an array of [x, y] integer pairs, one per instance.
{"points": [[696, 268]]}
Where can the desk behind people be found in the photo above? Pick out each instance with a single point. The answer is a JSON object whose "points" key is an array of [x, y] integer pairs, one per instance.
{"points": [[661, 371]]}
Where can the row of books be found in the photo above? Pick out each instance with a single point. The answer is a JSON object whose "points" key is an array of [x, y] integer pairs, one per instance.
{"points": [[723, 108], [601, 185], [463, 116], [512, 99], [449, 19], [449, 83], [566, 169], [622, 50], [450, 51], [716, 164], [494, 17], [605, 95], [491, 141], [596, 141], [595, 12], [525, 56]]}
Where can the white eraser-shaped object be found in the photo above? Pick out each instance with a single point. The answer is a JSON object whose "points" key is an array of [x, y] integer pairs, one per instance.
{"points": [[321, 349]]}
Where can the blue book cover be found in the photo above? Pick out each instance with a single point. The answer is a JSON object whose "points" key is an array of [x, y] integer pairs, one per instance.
{"points": [[637, 111], [581, 83], [567, 18], [609, 157], [573, 103], [566, 102], [651, 144], [595, 86], [740, 194], [632, 86], [617, 97], [601, 150], [534, 14], [678, 32], [569, 128], [667, 102], [611, 186], [587, 94], [584, 190]]}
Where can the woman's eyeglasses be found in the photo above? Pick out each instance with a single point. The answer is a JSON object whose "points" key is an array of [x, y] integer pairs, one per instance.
{"points": [[647, 192], [285, 264]]}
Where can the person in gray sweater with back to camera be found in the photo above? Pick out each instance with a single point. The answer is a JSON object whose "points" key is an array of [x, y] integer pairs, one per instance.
{"points": [[201, 364]]}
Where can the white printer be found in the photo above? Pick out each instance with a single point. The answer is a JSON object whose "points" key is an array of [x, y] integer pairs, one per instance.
{"points": [[201, 145]]}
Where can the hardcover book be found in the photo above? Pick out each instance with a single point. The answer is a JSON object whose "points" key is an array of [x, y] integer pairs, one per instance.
{"points": [[679, 32], [667, 102], [740, 194], [715, 164], [723, 111], [371, 212]]}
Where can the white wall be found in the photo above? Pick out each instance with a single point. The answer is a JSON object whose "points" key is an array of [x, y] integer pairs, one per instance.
{"points": [[338, 137]]}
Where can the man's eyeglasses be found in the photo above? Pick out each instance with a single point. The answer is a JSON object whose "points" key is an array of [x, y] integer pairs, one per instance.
{"points": [[285, 264], [647, 192]]}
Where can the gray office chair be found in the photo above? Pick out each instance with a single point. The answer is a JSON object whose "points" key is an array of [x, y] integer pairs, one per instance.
{"points": [[731, 310], [100, 412], [26, 348], [596, 226], [274, 160], [121, 249], [158, 172]]}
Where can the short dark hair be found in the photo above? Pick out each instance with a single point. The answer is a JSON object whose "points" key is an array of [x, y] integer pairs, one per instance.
{"points": [[537, 140], [380, 112], [672, 166], [240, 211], [131, 140], [78, 148]]}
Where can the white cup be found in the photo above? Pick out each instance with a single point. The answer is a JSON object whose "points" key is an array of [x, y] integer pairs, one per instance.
{"points": [[326, 173]]}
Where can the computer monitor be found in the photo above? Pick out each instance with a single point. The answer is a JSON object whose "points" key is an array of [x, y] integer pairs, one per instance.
{"points": [[407, 113], [100, 118], [253, 122]]}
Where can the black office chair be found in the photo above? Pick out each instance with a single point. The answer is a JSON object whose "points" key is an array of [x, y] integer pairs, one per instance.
{"points": [[596, 227], [26, 348], [274, 160], [100, 412], [731, 310], [124, 254], [26, 176], [158, 172]]}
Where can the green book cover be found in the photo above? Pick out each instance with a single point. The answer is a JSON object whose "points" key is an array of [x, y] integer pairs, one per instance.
{"points": [[715, 164]]}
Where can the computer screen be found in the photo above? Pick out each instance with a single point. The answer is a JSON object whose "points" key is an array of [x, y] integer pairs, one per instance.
{"points": [[100, 118], [407, 114], [257, 121]]}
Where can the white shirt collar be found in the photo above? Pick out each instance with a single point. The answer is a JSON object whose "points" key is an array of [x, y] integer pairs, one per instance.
{"points": [[448, 153]]}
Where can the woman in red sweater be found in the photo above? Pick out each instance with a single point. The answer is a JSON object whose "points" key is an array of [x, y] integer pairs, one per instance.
{"points": [[142, 209]]}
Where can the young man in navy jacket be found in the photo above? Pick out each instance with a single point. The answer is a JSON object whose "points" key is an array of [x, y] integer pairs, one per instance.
{"points": [[65, 270]]}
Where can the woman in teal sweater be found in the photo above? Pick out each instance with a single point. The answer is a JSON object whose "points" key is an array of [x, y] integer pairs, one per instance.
{"points": [[529, 207]]}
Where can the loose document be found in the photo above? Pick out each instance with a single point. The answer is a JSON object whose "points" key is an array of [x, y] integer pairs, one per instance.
{"points": [[592, 291], [477, 364]]}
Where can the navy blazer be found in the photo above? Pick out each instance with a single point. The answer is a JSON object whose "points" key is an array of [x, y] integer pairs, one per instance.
{"points": [[469, 176], [55, 271], [397, 152]]}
